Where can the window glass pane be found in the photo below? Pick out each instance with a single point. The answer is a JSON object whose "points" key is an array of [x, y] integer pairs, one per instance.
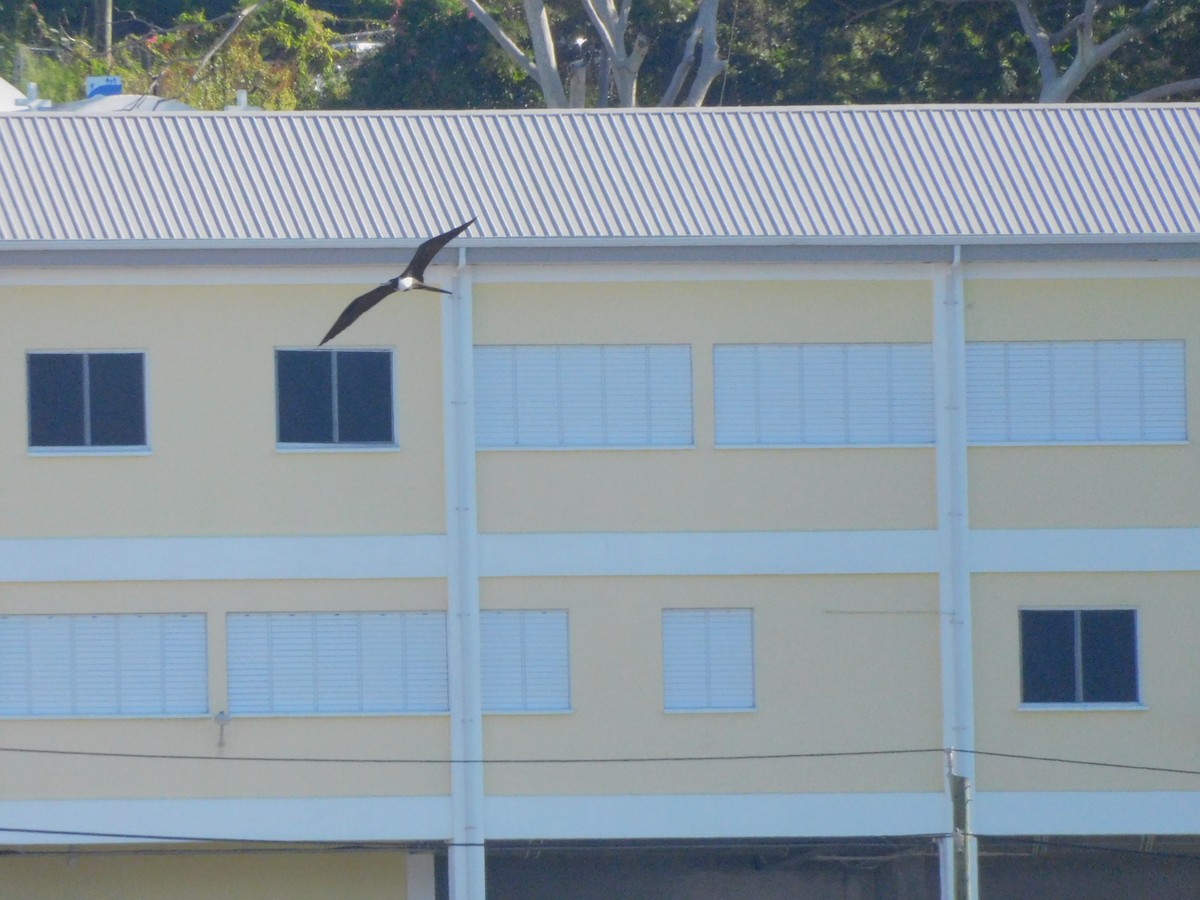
{"points": [[364, 404], [117, 389], [1047, 656], [55, 399], [1109, 649], [304, 379]]}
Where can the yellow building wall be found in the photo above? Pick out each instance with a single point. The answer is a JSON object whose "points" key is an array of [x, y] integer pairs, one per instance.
{"points": [[152, 873], [846, 663], [1087, 486], [1162, 734], [705, 488], [50, 776], [213, 466]]}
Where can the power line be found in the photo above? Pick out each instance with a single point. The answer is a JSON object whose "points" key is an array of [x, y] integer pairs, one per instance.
{"points": [[1082, 762], [242, 845], [596, 760], [445, 761]]}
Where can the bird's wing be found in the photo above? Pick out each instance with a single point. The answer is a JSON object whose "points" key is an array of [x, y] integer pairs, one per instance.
{"points": [[428, 250], [357, 307]]}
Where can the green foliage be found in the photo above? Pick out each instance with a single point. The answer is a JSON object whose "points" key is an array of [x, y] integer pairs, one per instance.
{"points": [[282, 54], [780, 51], [438, 57]]}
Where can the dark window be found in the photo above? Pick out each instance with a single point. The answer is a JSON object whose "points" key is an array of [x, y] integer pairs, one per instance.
{"points": [[87, 399], [1079, 656], [334, 396]]}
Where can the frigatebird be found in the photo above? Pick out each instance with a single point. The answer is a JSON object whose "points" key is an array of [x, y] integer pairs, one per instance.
{"points": [[411, 279]]}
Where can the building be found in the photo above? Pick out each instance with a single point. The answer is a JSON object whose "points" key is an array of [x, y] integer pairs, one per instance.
{"points": [[787, 502]]}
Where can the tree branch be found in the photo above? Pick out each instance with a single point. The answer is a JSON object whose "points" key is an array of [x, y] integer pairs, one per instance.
{"points": [[1188, 86], [605, 27], [238, 21], [1040, 40], [515, 53]]}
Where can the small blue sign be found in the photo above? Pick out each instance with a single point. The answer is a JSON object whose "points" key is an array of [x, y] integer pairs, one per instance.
{"points": [[103, 85]]}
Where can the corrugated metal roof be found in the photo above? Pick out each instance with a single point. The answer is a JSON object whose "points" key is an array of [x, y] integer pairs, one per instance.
{"points": [[823, 174]]}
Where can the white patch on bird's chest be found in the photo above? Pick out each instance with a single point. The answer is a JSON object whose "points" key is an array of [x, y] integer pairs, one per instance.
{"points": [[407, 282]]}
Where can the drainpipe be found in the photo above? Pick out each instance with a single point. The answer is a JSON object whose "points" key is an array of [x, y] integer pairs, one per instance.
{"points": [[466, 851], [958, 850]]}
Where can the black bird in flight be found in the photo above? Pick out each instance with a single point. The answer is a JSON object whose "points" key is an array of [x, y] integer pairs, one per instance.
{"points": [[411, 279]]}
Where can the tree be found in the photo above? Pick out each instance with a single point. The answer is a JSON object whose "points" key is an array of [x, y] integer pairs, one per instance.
{"points": [[603, 43], [437, 58], [281, 51], [1086, 34]]}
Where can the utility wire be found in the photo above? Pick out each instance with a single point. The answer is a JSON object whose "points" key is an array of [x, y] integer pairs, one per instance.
{"points": [[443, 761], [1081, 762], [597, 760], [241, 845]]}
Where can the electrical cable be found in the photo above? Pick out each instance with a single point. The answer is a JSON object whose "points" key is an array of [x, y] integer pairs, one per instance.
{"points": [[595, 760], [442, 761]]}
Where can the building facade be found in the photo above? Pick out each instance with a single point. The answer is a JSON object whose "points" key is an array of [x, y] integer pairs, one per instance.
{"points": [[783, 503]]}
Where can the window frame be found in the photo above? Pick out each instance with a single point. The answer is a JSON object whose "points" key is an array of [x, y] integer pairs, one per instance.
{"points": [[751, 650], [88, 449], [1080, 705], [391, 445]]}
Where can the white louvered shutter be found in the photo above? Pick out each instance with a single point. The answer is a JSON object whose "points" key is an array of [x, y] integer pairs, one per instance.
{"points": [[337, 662], [708, 659], [495, 397], [823, 394], [583, 396], [1076, 391], [103, 665], [426, 676], [525, 660]]}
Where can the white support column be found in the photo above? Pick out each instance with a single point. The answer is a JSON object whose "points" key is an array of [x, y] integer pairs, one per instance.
{"points": [[466, 852], [959, 857]]}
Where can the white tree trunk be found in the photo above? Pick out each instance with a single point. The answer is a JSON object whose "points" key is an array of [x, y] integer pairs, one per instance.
{"points": [[543, 68], [620, 63], [1058, 86], [704, 28]]}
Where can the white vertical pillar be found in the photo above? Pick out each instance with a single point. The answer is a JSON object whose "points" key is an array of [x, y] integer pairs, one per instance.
{"points": [[420, 880], [466, 852], [959, 858]]}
